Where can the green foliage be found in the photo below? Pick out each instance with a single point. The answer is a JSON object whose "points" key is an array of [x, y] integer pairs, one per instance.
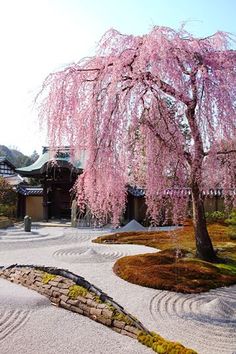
{"points": [[47, 277], [119, 316], [216, 216], [231, 221], [7, 199], [162, 346], [227, 268], [7, 210], [7, 194], [77, 290]]}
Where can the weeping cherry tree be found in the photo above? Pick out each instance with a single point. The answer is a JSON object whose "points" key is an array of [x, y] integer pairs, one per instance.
{"points": [[156, 111]]}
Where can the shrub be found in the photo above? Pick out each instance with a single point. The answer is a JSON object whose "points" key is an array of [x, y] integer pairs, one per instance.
{"points": [[7, 199], [231, 221], [216, 216], [7, 210]]}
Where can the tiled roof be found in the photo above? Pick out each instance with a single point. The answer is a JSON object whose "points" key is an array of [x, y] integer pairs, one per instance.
{"points": [[180, 192], [62, 157], [136, 191], [30, 190], [4, 159]]}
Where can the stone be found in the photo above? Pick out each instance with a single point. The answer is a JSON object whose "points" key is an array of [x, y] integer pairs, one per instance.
{"points": [[73, 302], [27, 223], [96, 312], [129, 334], [54, 288], [118, 330], [84, 307], [103, 320], [101, 306], [107, 313], [82, 299], [92, 303], [77, 310], [38, 278], [47, 286], [64, 291], [119, 324], [38, 283], [53, 282], [132, 329], [47, 292], [65, 305], [55, 294], [89, 296], [63, 286], [64, 298]]}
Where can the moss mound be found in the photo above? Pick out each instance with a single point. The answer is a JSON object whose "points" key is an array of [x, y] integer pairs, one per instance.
{"points": [[161, 345], [182, 237], [175, 271]]}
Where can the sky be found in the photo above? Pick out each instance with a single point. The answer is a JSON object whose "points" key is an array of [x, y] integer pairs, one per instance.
{"points": [[41, 36]]}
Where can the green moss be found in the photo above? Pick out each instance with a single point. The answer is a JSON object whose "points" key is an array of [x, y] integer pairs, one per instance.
{"points": [[227, 268], [97, 299], [47, 277], [121, 317], [162, 346], [77, 290]]}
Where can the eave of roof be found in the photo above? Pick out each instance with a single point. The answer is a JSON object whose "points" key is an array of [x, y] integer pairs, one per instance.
{"points": [[41, 164], [4, 159], [30, 190]]}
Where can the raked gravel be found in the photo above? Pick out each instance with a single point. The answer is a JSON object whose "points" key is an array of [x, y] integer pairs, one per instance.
{"points": [[30, 325]]}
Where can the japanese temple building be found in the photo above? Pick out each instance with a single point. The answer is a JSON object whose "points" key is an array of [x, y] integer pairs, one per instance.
{"points": [[56, 174]]}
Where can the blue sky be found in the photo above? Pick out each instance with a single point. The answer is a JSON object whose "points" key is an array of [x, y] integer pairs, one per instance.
{"points": [[40, 36]]}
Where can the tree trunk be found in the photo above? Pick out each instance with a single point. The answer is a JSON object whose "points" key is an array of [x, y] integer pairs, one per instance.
{"points": [[204, 245]]}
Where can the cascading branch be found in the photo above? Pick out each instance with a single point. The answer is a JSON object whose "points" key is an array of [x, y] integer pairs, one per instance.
{"points": [[157, 111]]}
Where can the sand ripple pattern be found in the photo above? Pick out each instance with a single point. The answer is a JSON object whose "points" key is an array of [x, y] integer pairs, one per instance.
{"points": [[69, 236], [196, 320], [89, 254], [82, 235], [11, 321]]}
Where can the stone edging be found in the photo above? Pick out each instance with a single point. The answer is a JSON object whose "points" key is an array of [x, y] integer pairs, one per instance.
{"points": [[74, 293], [74, 296]]}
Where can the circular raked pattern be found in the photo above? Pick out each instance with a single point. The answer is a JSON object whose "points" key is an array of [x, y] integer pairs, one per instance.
{"points": [[88, 254], [21, 235], [193, 319]]}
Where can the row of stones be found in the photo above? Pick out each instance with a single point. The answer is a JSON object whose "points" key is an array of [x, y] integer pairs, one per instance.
{"points": [[57, 289]]}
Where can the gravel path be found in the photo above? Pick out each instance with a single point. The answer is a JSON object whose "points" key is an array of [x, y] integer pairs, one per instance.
{"points": [[204, 322]]}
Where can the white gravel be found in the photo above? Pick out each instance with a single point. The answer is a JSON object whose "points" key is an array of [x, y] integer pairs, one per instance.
{"points": [[30, 325]]}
